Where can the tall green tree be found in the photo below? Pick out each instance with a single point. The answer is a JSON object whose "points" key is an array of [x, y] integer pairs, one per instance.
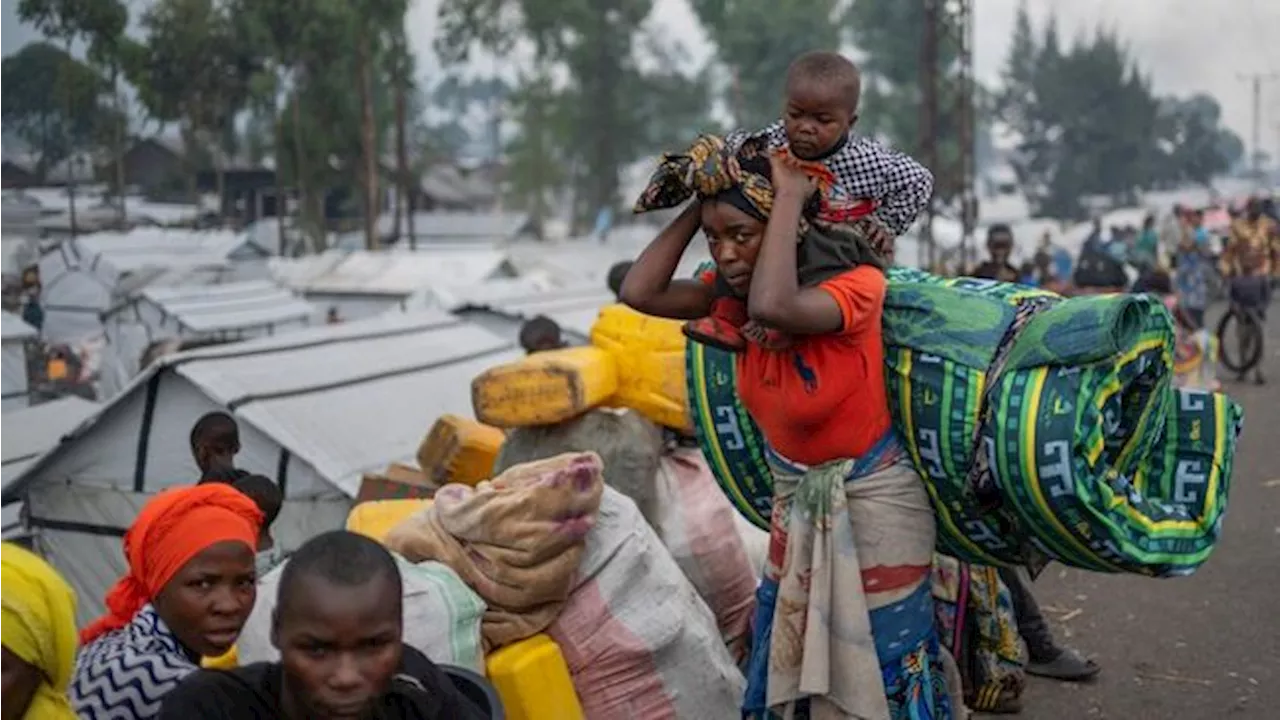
{"points": [[536, 159], [594, 41], [113, 53], [1086, 119], [197, 73], [1192, 144], [62, 21], [756, 40], [51, 101], [889, 35]]}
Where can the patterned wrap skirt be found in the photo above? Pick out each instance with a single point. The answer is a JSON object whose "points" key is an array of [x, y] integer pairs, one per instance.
{"points": [[844, 623]]}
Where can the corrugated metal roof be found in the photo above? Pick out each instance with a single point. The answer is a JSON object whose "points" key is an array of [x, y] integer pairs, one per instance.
{"points": [[229, 306], [15, 328], [35, 429], [394, 272]]}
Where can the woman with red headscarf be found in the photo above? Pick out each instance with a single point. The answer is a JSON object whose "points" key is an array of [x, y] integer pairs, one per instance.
{"points": [[189, 589]]}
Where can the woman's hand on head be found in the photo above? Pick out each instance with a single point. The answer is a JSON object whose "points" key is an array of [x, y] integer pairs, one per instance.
{"points": [[788, 178]]}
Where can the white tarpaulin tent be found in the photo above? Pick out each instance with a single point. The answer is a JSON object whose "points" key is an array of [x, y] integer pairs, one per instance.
{"points": [[13, 364], [574, 308], [363, 284], [317, 408], [28, 433], [227, 312], [83, 277]]}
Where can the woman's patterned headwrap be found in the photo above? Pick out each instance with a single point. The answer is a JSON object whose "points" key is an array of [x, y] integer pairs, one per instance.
{"points": [[710, 169]]}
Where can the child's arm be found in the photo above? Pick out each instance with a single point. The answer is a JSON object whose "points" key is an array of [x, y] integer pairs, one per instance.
{"points": [[903, 185]]}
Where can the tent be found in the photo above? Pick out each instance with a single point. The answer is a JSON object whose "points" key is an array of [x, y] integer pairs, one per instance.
{"points": [[364, 283], [17, 334], [28, 434], [220, 313], [317, 408], [574, 308], [84, 277]]}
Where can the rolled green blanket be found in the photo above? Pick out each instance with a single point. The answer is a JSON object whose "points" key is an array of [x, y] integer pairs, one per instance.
{"points": [[1083, 438]]}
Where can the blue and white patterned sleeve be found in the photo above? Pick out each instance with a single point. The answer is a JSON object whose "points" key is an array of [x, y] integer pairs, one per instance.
{"points": [[129, 685], [902, 186]]}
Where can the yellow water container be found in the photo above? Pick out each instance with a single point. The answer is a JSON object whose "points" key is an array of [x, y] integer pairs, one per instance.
{"points": [[544, 388], [229, 660], [649, 353], [459, 450], [533, 681], [376, 518]]}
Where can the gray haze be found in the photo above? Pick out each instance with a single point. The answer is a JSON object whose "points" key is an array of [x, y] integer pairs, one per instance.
{"points": [[1187, 45]]}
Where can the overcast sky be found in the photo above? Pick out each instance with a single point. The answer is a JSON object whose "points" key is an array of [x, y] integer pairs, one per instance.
{"points": [[1187, 45]]}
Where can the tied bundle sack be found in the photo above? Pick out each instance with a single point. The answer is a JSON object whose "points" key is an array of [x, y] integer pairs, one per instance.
{"points": [[638, 637], [516, 540], [676, 495], [1034, 420]]}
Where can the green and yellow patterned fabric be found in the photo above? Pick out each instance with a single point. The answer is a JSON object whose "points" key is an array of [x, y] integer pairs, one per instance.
{"points": [[1045, 428]]}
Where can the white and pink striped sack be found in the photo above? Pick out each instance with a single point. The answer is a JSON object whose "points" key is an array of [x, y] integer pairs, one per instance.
{"points": [[640, 642], [697, 524]]}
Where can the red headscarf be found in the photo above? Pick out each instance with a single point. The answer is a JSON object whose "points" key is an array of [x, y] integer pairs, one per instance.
{"points": [[173, 527]]}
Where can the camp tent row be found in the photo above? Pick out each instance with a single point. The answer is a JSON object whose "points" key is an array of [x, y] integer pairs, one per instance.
{"points": [[317, 408], [28, 434], [17, 335]]}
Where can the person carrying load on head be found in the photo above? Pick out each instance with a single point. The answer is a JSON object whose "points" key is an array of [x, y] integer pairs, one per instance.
{"points": [[852, 635], [874, 191]]}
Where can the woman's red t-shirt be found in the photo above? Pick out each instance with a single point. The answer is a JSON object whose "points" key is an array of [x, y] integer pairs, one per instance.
{"points": [[823, 398]]}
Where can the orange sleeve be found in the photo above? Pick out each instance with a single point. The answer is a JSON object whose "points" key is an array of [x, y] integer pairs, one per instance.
{"points": [[860, 295]]}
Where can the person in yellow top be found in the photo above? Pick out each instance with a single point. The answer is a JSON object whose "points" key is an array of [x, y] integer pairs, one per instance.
{"points": [[39, 637], [1254, 232]]}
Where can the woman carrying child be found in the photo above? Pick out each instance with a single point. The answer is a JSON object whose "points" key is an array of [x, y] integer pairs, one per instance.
{"points": [[844, 623]]}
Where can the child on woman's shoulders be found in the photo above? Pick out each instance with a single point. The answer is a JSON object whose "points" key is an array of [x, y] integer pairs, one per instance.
{"points": [[874, 191]]}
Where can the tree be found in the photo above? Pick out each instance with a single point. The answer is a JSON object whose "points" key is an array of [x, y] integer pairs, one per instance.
{"points": [[889, 33], [535, 157], [1085, 120], [112, 52], [757, 39], [593, 40], [197, 73], [63, 21], [51, 101], [1193, 146]]}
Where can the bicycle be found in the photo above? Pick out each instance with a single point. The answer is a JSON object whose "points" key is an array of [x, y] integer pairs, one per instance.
{"points": [[1246, 329]]}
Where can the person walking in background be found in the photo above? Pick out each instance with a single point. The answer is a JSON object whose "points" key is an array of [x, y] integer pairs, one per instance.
{"points": [[999, 249], [1145, 255], [1191, 272]]}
